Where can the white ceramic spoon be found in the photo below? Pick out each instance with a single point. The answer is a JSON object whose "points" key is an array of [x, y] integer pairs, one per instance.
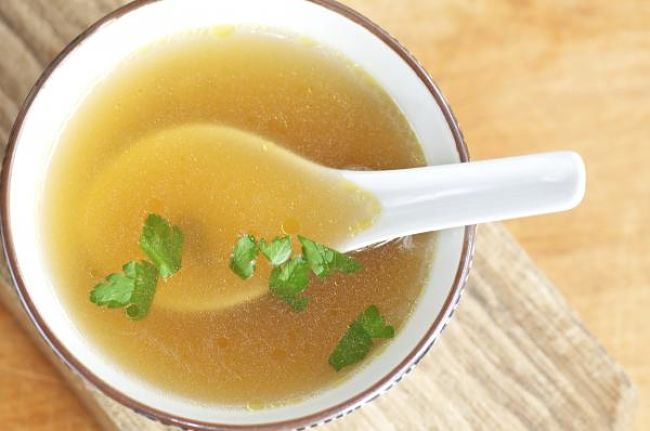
{"points": [[413, 200], [440, 197]]}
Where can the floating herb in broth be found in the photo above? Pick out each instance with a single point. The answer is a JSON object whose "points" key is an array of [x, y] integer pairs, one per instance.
{"points": [[289, 276], [135, 286], [145, 141], [355, 345]]}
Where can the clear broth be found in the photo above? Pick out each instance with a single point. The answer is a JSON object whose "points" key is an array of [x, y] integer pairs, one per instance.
{"points": [[106, 175]]}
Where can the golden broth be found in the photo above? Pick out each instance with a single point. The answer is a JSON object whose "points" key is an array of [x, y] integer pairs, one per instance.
{"points": [[149, 139]]}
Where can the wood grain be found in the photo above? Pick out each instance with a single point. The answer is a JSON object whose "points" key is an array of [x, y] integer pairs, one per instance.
{"points": [[521, 76]]}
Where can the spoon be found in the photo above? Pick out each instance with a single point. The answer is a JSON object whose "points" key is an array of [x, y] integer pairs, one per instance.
{"points": [[412, 200], [440, 197]]}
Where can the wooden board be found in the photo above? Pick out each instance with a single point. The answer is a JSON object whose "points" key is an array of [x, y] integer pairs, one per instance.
{"points": [[483, 373]]}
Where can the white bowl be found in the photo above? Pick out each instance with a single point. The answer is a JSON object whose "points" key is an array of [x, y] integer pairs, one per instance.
{"points": [[87, 60]]}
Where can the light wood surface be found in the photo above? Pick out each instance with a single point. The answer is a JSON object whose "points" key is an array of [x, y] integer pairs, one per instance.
{"points": [[522, 77]]}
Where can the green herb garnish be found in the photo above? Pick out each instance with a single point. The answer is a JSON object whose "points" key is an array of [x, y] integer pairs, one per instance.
{"points": [[163, 244], [114, 291], [324, 261], [132, 288], [289, 280], [145, 276], [290, 277], [357, 341], [135, 286], [278, 251], [242, 260]]}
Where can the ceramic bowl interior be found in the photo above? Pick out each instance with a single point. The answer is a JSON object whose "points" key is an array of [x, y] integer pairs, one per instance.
{"points": [[89, 59]]}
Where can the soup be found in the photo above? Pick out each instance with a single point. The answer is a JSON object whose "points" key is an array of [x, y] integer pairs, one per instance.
{"points": [[179, 129]]}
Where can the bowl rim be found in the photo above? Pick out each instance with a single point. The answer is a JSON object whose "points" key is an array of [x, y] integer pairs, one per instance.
{"points": [[322, 416]]}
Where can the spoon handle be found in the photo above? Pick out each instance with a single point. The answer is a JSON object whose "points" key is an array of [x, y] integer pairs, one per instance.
{"points": [[439, 197]]}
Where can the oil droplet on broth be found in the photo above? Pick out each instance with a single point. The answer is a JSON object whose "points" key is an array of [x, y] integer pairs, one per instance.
{"points": [[291, 226]]}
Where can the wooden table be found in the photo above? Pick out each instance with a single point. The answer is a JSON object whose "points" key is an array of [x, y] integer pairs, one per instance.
{"points": [[521, 77]]}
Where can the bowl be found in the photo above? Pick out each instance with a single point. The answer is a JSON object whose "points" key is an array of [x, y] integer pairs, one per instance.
{"points": [[89, 58]]}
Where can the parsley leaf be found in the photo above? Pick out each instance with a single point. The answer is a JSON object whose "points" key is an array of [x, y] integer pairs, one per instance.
{"points": [[278, 251], [351, 348], [374, 324], [290, 276], [163, 244], [325, 261], [289, 280], [113, 292], [357, 340], [242, 259], [145, 276], [133, 288]]}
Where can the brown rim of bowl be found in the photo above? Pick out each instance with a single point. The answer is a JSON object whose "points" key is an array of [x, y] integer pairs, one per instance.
{"points": [[303, 422]]}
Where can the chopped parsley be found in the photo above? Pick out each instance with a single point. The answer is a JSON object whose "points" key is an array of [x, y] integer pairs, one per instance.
{"points": [[289, 280], [357, 341], [242, 259], [135, 286], [132, 288], [290, 276], [114, 291], [163, 244], [324, 261], [145, 277], [277, 251]]}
